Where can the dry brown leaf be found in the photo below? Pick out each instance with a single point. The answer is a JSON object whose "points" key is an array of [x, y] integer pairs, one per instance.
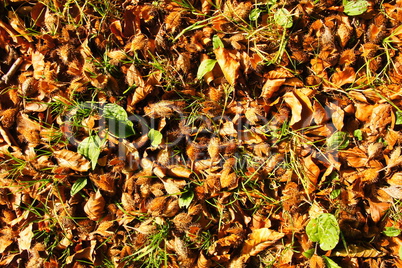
{"points": [[179, 171], [214, 148], [25, 239], [259, 240], [380, 118], [229, 63], [395, 159], [160, 109], [395, 180], [302, 111], [252, 115], [72, 160], [395, 191], [134, 77], [228, 129], [344, 31], [374, 149], [337, 115], [203, 262], [312, 171], [317, 262], [377, 210], [320, 115], [142, 92], [271, 86], [95, 206], [38, 63], [7, 237], [347, 76]]}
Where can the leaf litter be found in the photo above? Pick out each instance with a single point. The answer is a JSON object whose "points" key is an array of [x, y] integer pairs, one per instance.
{"points": [[192, 133]]}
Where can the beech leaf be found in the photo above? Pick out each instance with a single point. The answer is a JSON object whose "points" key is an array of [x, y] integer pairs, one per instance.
{"points": [[355, 8], [325, 230]]}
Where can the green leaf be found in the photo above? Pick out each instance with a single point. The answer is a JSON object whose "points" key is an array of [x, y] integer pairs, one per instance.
{"points": [[335, 193], [398, 118], [392, 231], [217, 42], [205, 67], [254, 14], [312, 230], [325, 230], [185, 199], [90, 147], [338, 140], [358, 133], [355, 8], [78, 186], [330, 263], [400, 253], [117, 120], [283, 18], [308, 253], [155, 136]]}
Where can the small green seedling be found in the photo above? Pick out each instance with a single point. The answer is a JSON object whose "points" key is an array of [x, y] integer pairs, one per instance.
{"points": [[117, 120], [78, 186], [325, 230], [90, 147], [254, 14], [186, 198]]}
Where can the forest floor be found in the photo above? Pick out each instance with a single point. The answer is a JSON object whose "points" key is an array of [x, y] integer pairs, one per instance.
{"points": [[196, 133]]}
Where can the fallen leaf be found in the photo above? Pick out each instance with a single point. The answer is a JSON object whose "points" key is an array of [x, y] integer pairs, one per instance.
{"points": [[72, 160], [271, 86], [95, 206], [229, 64], [259, 240], [25, 239]]}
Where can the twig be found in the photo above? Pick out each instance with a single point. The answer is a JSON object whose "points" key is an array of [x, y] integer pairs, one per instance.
{"points": [[6, 78]]}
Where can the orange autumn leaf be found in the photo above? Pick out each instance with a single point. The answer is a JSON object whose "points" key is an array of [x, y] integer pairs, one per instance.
{"points": [[271, 86], [347, 76], [302, 111]]}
